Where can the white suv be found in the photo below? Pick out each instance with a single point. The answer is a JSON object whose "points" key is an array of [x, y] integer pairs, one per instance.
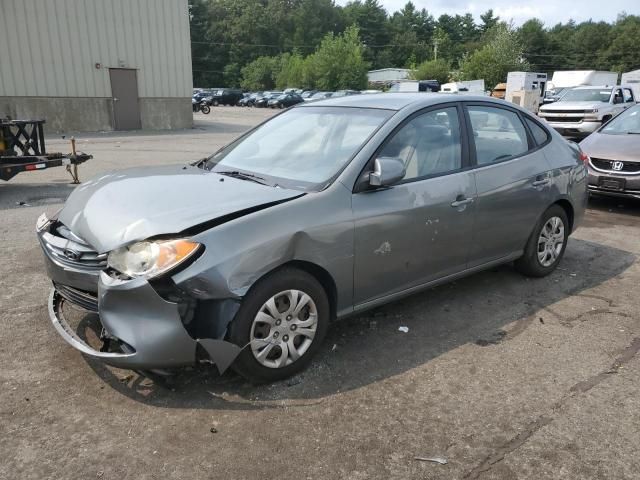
{"points": [[583, 110]]}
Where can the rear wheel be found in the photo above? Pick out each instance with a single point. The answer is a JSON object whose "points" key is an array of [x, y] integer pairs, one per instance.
{"points": [[282, 322], [547, 244]]}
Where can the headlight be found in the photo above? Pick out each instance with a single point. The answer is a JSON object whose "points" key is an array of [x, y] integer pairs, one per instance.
{"points": [[593, 110], [151, 258]]}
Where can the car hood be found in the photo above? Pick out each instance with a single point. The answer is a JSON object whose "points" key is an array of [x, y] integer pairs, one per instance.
{"points": [[612, 147], [118, 208], [562, 105]]}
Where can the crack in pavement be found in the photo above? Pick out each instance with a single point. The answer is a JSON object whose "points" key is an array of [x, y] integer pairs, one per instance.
{"points": [[543, 420]]}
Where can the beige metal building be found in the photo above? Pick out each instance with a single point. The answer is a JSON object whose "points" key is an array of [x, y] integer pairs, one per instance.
{"points": [[91, 65]]}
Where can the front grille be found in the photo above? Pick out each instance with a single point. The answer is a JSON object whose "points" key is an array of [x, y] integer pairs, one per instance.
{"points": [[564, 119], [69, 249], [627, 167], [551, 112], [82, 298]]}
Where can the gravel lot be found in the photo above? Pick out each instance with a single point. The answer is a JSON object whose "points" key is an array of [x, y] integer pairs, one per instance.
{"points": [[505, 377]]}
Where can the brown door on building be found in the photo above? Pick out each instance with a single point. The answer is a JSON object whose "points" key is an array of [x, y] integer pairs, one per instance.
{"points": [[124, 90]]}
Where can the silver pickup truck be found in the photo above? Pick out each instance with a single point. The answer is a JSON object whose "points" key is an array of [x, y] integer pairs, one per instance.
{"points": [[583, 110]]}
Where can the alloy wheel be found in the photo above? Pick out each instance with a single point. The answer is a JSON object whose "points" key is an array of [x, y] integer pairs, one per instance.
{"points": [[550, 241]]}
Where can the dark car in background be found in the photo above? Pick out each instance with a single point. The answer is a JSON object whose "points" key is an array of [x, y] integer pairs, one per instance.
{"points": [[614, 156], [244, 258], [285, 100], [249, 100], [224, 96], [263, 101]]}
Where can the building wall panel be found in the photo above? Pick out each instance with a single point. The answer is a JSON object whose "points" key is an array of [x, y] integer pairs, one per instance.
{"points": [[53, 46]]}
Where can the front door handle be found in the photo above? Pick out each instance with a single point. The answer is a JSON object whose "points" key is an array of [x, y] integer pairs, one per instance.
{"points": [[461, 201]]}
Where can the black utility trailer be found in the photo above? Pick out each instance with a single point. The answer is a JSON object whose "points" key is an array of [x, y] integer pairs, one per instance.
{"points": [[22, 149]]}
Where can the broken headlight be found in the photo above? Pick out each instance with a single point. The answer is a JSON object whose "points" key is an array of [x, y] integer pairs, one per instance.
{"points": [[151, 258]]}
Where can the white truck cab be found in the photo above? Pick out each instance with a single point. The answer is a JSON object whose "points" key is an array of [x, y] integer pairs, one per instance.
{"points": [[582, 110]]}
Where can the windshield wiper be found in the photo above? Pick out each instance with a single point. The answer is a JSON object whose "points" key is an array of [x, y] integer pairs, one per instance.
{"points": [[243, 176]]}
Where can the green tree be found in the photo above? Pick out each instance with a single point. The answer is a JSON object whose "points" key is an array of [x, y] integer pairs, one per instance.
{"points": [[489, 20], [339, 62], [292, 72], [501, 54], [261, 73], [373, 24], [623, 52], [439, 70]]}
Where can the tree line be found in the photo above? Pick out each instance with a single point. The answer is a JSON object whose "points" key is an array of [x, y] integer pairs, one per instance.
{"points": [[265, 44]]}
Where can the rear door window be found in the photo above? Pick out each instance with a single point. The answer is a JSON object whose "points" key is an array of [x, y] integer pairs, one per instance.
{"points": [[540, 135], [498, 134]]}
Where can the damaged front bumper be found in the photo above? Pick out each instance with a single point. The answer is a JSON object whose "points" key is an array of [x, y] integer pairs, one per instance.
{"points": [[147, 328], [150, 330]]}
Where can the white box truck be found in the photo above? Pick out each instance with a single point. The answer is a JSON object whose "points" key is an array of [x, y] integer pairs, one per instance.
{"points": [[564, 80], [632, 79], [526, 89]]}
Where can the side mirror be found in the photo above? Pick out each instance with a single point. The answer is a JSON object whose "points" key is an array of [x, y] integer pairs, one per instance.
{"points": [[387, 171]]}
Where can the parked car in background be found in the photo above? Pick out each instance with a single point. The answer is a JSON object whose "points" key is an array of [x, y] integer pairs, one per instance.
{"points": [[322, 212], [614, 156], [318, 96], [582, 110], [345, 93], [285, 100], [564, 80], [245, 95], [225, 96], [307, 94], [250, 101], [202, 94], [263, 101]]}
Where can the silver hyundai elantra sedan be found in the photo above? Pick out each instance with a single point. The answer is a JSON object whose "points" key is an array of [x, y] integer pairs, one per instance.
{"points": [[328, 209]]}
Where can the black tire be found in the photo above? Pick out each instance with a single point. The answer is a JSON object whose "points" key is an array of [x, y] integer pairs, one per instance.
{"points": [[529, 264], [240, 329], [206, 109], [216, 103]]}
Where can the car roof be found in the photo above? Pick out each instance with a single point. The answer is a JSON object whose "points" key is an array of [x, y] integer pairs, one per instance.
{"points": [[396, 101], [592, 87]]}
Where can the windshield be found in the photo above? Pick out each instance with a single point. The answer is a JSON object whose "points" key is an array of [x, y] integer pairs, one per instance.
{"points": [[303, 148], [627, 122], [587, 95]]}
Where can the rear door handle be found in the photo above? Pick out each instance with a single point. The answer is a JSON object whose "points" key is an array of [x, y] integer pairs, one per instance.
{"points": [[541, 183], [461, 201]]}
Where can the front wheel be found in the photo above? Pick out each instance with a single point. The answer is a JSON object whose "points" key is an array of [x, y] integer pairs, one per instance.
{"points": [[281, 323], [547, 244], [206, 109]]}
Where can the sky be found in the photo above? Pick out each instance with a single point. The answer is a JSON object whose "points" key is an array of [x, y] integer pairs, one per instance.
{"points": [[549, 11]]}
